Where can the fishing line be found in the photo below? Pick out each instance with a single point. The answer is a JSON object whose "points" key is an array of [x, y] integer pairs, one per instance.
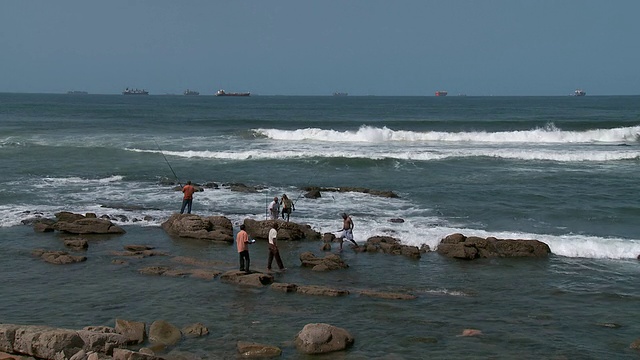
{"points": [[165, 159], [307, 185]]}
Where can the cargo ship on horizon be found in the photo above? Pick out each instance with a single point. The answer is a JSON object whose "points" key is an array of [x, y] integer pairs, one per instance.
{"points": [[128, 91], [224, 93], [191, 92], [441, 93]]}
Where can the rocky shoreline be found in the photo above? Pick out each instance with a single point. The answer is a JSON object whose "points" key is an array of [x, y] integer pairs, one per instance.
{"points": [[220, 229]]}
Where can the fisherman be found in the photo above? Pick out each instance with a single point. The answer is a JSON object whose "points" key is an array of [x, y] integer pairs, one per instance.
{"points": [[187, 199], [242, 241], [274, 208], [287, 206], [347, 230], [273, 247]]}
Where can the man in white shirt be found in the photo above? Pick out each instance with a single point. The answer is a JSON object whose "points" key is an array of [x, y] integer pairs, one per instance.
{"points": [[274, 209], [273, 247]]}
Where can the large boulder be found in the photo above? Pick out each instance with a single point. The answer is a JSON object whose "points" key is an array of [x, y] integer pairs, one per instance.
{"points": [[101, 342], [286, 230], [390, 245], [329, 262], [322, 338], [165, 333], [134, 331], [461, 247], [214, 228]]}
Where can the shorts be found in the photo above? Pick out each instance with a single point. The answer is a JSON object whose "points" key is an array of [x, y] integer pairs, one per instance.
{"points": [[347, 234]]}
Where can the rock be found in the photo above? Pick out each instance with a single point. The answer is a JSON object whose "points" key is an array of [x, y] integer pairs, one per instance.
{"points": [[134, 331], [88, 226], [320, 290], [396, 220], [46, 342], [100, 329], [154, 270], [242, 278], [58, 257], [326, 247], [329, 262], [382, 193], [7, 336], [387, 295], [66, 216], [43, 225], [322, 338], [195, 330], [76, 244], [284, 287], [390, 245], [138, 248], [635, 345], [461, 247], [313, 193], [255, 350], [242, 188], [162, 332], [205, 274], [259, 230], [471, 332], [101, 342], [124, 354], [214, 228]]}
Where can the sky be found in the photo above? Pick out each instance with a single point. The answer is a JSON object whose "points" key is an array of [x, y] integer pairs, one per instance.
{"points": [[293, 47]]}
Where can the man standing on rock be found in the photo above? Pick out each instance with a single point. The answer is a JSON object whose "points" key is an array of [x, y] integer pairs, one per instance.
{"points": [[347, 230], [273, 247], [274, 209], [187, 200], [242, 240]]}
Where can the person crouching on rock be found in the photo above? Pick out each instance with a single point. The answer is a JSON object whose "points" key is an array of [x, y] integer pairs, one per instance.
{"points": [[273, 248]]}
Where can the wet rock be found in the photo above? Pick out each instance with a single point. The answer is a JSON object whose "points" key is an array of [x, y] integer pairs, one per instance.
{"points": [[214, 228], [396, 220], [242, 278], [46, 342], [58, 257], [242, 188], [329, 262], [195, 330], [255, 350], [135, 248], [43, 225], [461, 247], [88, 226], [101, 342], [163, 332], [76, 244], [285, 287], [390, 245], [205, 274], [387, 295], [320, 290], [288, 231], [134, 332], [322, 338], [635, 344], [382, 193], [125, 354], [471, 332], [313, 193]]}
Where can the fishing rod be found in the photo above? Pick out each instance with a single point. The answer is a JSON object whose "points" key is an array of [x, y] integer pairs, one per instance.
{"points": [[165, 159], [313, 176]]}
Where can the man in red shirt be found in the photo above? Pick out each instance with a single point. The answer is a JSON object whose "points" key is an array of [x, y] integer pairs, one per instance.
{"points": [[187, 200], [242, 241]]}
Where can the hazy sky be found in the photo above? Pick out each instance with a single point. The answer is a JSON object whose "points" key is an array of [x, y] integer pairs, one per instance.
{"points": [[297, 47]]}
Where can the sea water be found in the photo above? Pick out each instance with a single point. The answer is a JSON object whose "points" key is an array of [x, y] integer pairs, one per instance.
{"points": [[558, 169]]}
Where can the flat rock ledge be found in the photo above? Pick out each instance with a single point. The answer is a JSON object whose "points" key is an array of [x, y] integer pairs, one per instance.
{"points": [[288, 231], [71, 223], [214, 228], [459, 246], [255, 279], [58, 257], [322, 338], [314, 192]]}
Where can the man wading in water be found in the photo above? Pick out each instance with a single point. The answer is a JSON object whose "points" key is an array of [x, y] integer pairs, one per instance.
{"points": [[347, 230]]}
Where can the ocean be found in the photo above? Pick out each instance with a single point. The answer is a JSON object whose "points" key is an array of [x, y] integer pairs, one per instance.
{"points": [[562, 170]]}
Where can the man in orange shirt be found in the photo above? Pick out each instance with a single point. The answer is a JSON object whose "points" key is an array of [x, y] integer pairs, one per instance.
{"points": [[242, 241], [187, 200]]}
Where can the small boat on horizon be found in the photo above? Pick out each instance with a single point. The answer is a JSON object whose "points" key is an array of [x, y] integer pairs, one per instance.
{"points": [[340, 94], [579, 92], [191, 92], [441, 93], [77, 92], [224, 93], [128, 91]]}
